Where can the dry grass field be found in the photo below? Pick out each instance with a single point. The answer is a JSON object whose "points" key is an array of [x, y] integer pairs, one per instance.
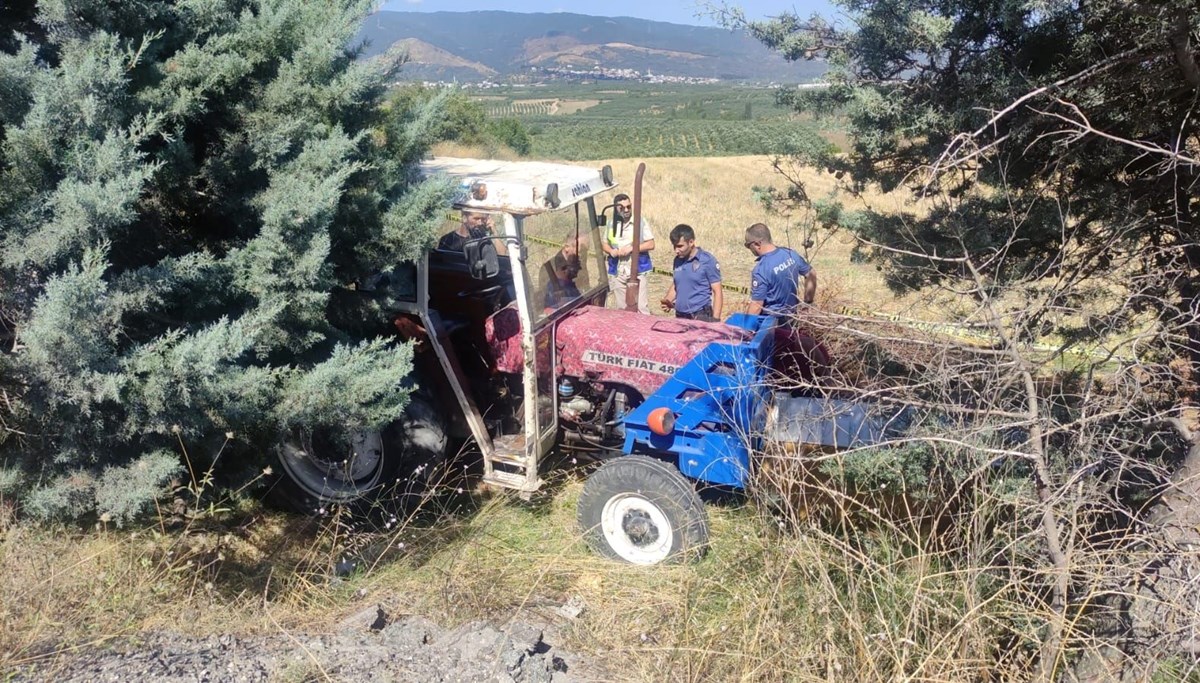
{"points": [[716, 197], [545, 106], [566, 107], [765, 604]]}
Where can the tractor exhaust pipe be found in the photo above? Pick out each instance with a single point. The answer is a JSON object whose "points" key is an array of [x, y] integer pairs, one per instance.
{"points": [[635, 281]]}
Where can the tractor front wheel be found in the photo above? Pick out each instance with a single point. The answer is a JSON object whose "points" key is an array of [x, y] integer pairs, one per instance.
{"points": [[398, 464], [642, 511]]}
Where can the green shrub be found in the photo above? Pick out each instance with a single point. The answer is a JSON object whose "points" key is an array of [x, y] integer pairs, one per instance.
{"points": [[182, 188]]}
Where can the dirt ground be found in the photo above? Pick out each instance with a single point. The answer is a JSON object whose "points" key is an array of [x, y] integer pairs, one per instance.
{"points": [[368, 646]]}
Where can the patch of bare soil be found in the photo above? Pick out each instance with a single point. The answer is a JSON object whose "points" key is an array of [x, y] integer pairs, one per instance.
{"points": [[366, 647]]}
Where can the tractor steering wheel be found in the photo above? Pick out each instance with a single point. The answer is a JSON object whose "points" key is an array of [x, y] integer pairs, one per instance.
{"points": [[480, 293]]}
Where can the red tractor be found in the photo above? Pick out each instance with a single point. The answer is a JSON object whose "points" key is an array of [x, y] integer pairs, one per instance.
{"points": [[518, 353]]}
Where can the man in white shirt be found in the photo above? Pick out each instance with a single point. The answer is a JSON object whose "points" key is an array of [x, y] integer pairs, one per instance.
{"points": [[618, 245]]}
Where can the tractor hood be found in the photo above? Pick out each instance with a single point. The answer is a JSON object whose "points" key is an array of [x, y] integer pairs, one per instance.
{"points": [[626, 347]]}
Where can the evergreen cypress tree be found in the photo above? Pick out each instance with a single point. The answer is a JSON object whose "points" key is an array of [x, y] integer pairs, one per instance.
{"points": [[184, 188]]}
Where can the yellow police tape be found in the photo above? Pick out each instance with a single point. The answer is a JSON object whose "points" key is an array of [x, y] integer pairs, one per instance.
{"points": [[972, 335], [740, 289], [657, 271], [544, 242], [964, 332]]}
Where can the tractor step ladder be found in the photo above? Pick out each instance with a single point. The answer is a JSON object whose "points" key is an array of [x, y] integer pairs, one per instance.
{"points": [[511, 465], [506, 465]]}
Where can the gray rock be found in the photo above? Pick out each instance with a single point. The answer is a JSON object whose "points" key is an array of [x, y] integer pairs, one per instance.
{"points": [[573, 607], [411, 632], [372, 618]]}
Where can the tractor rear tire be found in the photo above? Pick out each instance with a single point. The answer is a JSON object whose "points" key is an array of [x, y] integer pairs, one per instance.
{"points": [[397, 464], [642, 511]]}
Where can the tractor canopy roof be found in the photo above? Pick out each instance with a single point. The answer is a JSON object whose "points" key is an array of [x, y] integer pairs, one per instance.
{"points": [[519, 187]]}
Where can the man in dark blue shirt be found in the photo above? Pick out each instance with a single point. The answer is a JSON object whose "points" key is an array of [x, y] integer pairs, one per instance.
{"points": [[773, 291], [695, 291], [776, 276], [475, 225]]}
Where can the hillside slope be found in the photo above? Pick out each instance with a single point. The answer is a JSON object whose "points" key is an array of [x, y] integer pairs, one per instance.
{"points": [[511, 43]]}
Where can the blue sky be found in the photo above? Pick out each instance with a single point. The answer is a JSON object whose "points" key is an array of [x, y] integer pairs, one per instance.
{"points": [[674, 11]]}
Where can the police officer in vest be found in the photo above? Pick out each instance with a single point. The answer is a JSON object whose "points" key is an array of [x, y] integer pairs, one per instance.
{"points": [[618, 245], [775, 280]]}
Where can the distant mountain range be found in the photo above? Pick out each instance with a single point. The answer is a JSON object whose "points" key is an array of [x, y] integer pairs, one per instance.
{"points": [[474, 46]]}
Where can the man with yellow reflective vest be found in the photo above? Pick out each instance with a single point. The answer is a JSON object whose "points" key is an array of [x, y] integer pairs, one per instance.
{"points": [[618, 245]]}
